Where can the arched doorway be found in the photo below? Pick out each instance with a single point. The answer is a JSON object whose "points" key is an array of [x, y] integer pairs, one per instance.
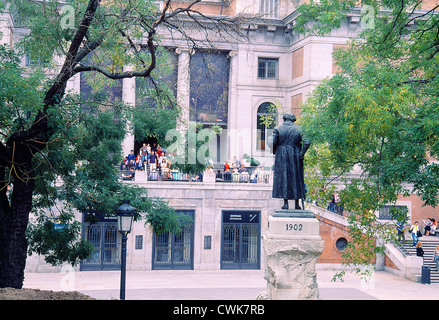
{"points": [[266, 120]]}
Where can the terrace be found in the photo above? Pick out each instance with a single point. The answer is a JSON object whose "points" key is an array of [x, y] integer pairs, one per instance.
{"points": [[252, 176]]}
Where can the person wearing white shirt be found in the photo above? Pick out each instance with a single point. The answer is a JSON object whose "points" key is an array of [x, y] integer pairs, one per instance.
{"points": [[414, 229]]}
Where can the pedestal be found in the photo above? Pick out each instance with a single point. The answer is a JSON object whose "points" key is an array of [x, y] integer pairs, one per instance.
{"points": [[292, 246]]}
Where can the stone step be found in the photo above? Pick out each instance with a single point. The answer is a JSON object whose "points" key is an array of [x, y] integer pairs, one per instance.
{"points": [[428, 244]]}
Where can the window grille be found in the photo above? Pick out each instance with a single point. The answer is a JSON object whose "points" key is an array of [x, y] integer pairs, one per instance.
{"points": [[385, 212], [139, 242], [268, 68]]}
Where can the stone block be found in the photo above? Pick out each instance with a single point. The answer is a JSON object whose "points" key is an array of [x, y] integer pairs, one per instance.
{"points": [[290, 268], [292, 246]]}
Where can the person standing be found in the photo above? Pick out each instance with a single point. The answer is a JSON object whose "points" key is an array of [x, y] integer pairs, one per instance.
{"points": [[415, 229], [433, 227], [152, 161], [436, 257], [419, 250], [400, 229], [144, 152]]}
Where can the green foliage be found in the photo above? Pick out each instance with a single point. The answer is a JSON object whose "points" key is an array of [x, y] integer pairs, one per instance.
{"points": [[192, 152], [253, 162], [155, 122], [321, 17], [77, 169], [49, 24], [20, 96], [270, 120], [163, 218], [378, 116], [58, 239]]}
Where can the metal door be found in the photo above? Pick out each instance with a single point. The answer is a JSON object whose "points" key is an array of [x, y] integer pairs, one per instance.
{"points": [[106, 246], [174, 251], [240, 247], [110, 242]]}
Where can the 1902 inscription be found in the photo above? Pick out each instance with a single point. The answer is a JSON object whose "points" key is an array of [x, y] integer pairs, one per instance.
{"points": [[295, 226]]}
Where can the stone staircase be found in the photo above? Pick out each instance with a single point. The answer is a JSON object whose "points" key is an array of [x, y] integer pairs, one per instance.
{"points": [[406, 248], [429, 243]]}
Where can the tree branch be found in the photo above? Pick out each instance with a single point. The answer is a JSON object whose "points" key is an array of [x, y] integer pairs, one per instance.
{"points": [[112, 75], [89, 47], [418, 81], [57, 90]]}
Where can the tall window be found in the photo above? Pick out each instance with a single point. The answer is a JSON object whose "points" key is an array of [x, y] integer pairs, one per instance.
{"points": [[266, 121], [165, 76], [96, 89], [101, 232], [392, 212], [209, 87], [268, 68], [269, 8]]}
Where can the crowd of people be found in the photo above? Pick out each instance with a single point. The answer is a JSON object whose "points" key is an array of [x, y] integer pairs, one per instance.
{"points": [[150, 158], [430, 228], [235, 171], [157, 162]]}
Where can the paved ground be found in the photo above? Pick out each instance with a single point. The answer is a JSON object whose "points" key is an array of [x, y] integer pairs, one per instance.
{"points": [[223, 285]]}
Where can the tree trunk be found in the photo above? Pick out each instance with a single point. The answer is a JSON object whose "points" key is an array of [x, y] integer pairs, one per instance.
{"points": [[17, 155], [13, 224]]}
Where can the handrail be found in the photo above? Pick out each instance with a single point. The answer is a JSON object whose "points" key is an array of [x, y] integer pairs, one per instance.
{"points": [[401, 248]]}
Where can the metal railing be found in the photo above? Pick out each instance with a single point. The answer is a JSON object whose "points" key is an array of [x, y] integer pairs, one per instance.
{"points": [[243, 177], [398, 245], [218, 177]]}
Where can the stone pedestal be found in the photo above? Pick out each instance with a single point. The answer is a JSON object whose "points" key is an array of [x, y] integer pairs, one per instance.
{"points": [[292, 246]]}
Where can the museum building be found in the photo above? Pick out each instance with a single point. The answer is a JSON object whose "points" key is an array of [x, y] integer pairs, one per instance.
{"points": [[274, 66]]}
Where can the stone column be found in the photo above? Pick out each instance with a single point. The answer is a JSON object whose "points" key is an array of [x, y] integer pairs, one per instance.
{"points": [[292, 245], [183, 87], [128, 96], [235, 133]]}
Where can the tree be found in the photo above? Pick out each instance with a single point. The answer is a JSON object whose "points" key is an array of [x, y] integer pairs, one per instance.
{"points": [[58, 152], [379, 114]]}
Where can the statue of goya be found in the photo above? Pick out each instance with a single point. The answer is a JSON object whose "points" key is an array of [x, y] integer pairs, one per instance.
{"points": [[289, 147]]}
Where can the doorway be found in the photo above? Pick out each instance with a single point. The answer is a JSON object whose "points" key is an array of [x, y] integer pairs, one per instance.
{"points": [[174, 251], [139, 144], [240, 240], [102, 233]]}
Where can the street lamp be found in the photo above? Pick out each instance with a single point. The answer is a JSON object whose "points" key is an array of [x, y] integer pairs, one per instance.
{"points": [[125, 214]]}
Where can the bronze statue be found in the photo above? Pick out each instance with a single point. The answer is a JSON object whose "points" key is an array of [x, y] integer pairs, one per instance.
{"points": [[289, 147]]}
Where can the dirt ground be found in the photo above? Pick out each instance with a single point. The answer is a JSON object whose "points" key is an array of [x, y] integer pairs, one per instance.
{"points": [[36, 294]]}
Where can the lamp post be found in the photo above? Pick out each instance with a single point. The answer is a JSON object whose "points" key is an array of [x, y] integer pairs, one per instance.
{"points": [[125, 214]]}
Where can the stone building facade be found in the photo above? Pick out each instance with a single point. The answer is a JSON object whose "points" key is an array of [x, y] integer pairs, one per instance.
{"points": [[228, 222], [273, 66]]}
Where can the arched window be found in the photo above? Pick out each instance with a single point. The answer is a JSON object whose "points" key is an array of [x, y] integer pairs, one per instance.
{"points": [[266, 120]]}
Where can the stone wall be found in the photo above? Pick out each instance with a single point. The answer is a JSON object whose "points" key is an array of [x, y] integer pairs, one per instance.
{"points": [[208, 200]]}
